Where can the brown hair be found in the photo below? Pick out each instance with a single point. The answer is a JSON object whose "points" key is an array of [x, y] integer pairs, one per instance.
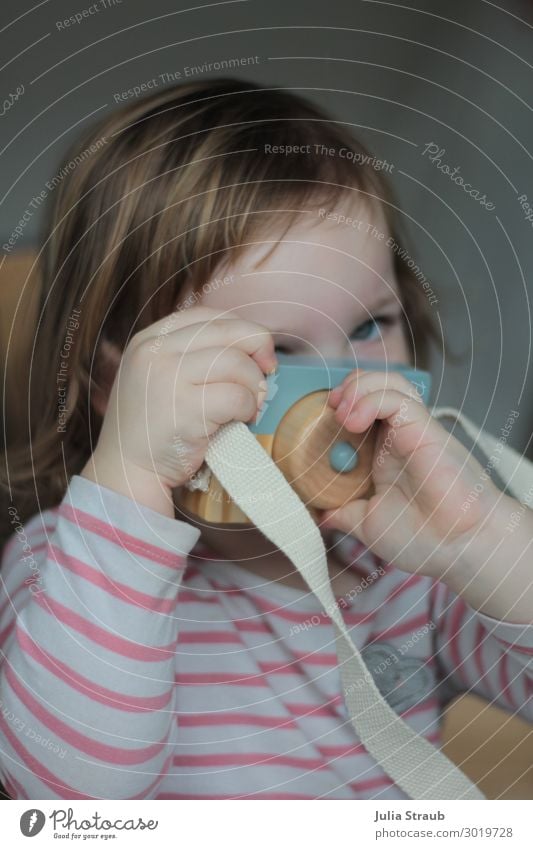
{"points": [[158, 194]]}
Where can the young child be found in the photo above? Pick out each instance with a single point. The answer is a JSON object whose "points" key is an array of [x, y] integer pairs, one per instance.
{"points": [[146, 655]]}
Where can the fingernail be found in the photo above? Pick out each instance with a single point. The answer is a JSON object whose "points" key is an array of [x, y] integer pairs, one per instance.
{"points": [[261, 395]]}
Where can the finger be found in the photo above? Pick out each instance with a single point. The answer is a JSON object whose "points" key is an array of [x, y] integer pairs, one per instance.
{"points": [[336, 393], [372, 381], [254, 339], [222, 365], [358, 378], [348, 518], [398, 409], [182, 318], [364, 382], [220, 403]]}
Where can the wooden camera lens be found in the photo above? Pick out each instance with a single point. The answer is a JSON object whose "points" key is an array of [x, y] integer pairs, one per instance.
{"points": [[323, 462]]}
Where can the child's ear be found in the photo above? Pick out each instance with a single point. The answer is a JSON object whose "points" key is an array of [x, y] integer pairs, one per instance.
{"points": [[106, 365]]}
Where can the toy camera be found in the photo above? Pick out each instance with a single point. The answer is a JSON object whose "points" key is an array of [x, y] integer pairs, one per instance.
{"points": [[322, 461]]}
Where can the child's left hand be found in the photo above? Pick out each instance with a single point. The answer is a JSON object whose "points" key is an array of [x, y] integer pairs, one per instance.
{"points": [[422, 478]]}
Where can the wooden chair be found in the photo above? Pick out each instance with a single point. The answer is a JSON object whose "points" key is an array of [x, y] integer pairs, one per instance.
{"points": [[492, 747]]}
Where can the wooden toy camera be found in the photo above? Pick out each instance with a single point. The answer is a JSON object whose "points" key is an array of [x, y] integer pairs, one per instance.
{"points": [[322, 461]]}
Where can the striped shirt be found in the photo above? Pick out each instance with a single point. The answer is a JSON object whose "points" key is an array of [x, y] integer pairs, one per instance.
{"points": [[137, 665]]}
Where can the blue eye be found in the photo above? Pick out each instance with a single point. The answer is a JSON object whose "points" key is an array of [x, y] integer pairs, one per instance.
{"points": [[370, 330]]}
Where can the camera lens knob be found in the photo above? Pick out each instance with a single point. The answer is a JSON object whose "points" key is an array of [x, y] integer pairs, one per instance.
{"points": [[343, 457]]}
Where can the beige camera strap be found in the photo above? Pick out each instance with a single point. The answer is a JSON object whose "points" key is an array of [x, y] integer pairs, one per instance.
{"points": [[253, 480]]}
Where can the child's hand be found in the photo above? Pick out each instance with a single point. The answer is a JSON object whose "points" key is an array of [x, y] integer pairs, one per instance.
{"points": [[422, 478], [178, 381]]}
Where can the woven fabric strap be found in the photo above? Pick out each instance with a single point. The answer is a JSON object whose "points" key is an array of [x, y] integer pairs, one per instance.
{"points": [[253, 480]]}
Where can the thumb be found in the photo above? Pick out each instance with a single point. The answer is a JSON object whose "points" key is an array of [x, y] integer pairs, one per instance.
{"points": [[347, 518]]}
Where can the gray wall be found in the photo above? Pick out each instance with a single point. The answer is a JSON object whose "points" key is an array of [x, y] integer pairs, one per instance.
{"points": [[454, 74]]}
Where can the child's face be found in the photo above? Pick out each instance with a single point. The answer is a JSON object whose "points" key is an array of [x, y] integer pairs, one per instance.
{"points": [[326, 289]]}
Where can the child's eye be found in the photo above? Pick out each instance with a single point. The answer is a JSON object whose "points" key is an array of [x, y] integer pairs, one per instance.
{"points": [[370, 330]]}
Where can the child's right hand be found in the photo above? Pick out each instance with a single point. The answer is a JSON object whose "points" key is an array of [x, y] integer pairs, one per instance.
{"points": [[177, 382]]}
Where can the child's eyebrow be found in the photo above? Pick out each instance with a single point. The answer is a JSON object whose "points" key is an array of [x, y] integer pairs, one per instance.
{"points": [[391, 298]]}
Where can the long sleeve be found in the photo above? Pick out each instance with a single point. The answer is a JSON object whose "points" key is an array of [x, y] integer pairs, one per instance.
{"points": [[477, 652], [88, 636]]}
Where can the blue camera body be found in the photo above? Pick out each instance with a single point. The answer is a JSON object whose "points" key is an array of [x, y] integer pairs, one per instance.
{"points": [[298, 376]]}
